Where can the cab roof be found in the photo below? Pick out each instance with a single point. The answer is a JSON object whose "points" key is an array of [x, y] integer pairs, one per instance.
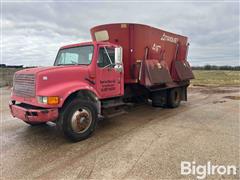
{"points": [[87, 43]]}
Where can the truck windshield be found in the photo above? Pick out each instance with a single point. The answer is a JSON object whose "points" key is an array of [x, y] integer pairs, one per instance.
{"points": [[81, 55]]}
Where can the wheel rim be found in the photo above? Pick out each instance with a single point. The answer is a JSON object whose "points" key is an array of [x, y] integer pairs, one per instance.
{"points": [[81, 120]]}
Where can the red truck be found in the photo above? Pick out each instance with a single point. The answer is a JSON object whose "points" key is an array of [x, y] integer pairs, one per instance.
{"points": [[124, 63]]}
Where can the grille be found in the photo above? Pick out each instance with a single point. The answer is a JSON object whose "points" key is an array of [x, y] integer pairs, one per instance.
{"points": [[24, 85]]}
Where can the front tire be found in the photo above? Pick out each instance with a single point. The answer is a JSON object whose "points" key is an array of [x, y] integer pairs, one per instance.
{"points": [[79, 119]]}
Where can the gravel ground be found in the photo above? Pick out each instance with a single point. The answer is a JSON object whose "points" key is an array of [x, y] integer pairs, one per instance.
{"points": [[144, 143]]}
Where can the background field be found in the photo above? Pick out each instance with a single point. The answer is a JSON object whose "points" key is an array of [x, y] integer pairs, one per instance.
{"points": [[216, 78], [202, 77], [6, 76]]}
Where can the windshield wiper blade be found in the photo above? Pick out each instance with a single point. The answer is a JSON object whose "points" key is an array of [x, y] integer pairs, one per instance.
{"points": [[70, 64], [64, 64]]}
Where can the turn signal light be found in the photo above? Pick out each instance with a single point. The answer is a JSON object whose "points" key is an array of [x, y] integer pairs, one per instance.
{"points": [[53, 100]]}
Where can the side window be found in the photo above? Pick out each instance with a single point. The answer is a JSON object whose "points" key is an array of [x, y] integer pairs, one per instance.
{"points": [[104, 55]]}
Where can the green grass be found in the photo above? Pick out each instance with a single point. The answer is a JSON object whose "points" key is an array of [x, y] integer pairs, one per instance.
{"points": [[6, 76], [216, 78], [202, 77]]}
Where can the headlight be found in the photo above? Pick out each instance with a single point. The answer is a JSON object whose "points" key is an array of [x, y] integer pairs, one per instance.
{"points": [[51, 100]]}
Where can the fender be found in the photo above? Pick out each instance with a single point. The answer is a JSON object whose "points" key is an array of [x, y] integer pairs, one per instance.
{"points": [[66, 89]]}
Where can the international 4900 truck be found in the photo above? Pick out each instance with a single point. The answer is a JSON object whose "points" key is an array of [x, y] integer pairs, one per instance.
{"points": [[124, 63]]}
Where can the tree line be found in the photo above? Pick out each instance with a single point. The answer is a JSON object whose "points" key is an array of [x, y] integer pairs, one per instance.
{"points": [[10, 66], [206, 67], [214, 67]]}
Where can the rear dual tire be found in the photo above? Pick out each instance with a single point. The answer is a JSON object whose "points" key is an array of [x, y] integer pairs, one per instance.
{"points": [[174, 98], [171, 98], [159, 99]]}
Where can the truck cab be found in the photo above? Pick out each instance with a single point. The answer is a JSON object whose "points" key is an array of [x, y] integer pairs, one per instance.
{"points": [[104, 64]]}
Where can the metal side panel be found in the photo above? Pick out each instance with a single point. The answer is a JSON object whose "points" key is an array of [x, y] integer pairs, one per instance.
{"points": [[184, 70], [157, 72]]}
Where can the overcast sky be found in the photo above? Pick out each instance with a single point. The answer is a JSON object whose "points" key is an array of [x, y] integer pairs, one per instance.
{"points": [[33, 31]]}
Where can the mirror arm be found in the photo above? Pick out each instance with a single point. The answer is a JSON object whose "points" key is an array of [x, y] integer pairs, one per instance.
{"points": [[108, 65]]}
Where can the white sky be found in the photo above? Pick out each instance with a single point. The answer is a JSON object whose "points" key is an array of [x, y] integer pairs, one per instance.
{"points": [[32, 32]]}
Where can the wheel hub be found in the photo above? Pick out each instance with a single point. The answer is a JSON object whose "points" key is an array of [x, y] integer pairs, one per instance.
{"points": [[81, 120]]}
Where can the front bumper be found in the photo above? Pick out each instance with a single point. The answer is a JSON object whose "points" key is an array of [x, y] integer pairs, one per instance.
{"points": [[33, 114]]}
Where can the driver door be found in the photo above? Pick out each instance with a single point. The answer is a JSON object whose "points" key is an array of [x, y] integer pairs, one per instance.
{"points": [[109, 80]]}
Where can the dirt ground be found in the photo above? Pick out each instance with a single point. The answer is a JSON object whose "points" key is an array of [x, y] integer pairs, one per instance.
{"points": [[145, 143]]}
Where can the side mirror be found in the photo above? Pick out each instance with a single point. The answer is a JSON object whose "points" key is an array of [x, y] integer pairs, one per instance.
{"points": [[118, 59]]}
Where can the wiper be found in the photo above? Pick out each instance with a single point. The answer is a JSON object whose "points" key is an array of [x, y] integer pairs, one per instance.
{"points": [[71, 64], [64, 64]]}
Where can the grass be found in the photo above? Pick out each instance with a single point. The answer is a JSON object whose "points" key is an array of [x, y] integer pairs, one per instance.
{"points": [[216, 78], [6, 76], [202, 77]]}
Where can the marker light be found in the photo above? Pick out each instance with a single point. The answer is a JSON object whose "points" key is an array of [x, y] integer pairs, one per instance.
{"points": [[51, 100]]}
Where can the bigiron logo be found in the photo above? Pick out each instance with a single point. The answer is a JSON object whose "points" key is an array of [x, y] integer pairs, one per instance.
{"points": [[202, 171]]}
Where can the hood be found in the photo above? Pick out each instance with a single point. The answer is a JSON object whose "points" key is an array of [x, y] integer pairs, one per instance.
{"points": [[56, 76], [49, 81], [42, 69]]}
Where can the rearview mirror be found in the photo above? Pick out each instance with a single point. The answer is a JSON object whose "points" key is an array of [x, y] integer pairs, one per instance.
{"points": [[118, 59]]}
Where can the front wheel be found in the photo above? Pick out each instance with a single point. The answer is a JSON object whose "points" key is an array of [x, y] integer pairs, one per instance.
{"points": [[79, 119]]}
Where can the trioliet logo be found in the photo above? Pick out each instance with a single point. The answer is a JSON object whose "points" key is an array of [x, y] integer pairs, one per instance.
{"points": [[169, 38]]}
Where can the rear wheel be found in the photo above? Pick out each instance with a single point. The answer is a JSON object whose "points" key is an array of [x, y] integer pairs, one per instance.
{"points": [[174, 97], [79, 119], [159, 99]]}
